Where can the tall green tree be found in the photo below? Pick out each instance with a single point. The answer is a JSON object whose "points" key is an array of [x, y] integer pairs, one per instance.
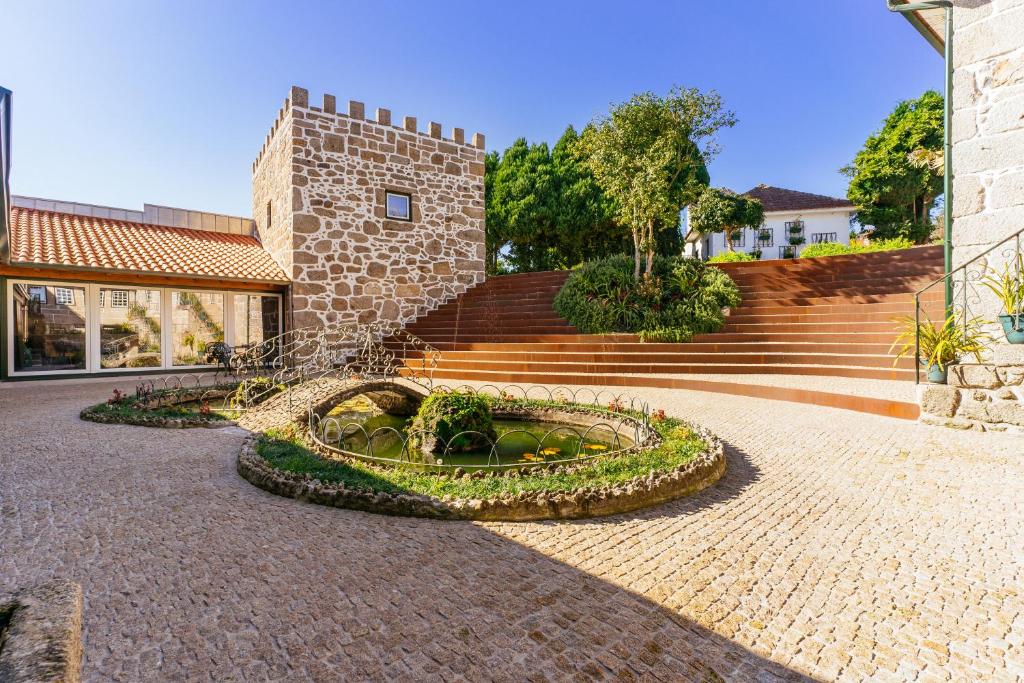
{"points": [[893, 180], [495, 233], [585, 217], [722, 210], [522, 205], [650, 157]]}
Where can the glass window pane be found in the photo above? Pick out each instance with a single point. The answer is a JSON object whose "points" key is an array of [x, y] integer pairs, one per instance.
{"points": [[49, 328], [256, 318], [130, 328], [197, 322], [397, 206]]}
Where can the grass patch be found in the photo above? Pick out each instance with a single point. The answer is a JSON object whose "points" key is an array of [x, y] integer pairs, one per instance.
{"points": [[286, 451]]}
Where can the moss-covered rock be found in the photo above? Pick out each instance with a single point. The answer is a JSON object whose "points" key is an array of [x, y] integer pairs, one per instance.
{"points": [[455, 419]]}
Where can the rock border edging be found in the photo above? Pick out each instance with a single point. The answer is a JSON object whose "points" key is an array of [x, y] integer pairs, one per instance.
{"points": [[638, 493]]}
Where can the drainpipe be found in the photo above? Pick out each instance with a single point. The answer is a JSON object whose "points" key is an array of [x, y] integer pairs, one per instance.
{"points": [[947, 137]]}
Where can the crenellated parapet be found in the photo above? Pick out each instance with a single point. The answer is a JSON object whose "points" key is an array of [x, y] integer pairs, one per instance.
{"points": [[298, 99]]}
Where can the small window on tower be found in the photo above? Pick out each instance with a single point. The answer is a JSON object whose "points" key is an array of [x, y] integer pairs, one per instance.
{"points": [[398, 206], [269, 214]]}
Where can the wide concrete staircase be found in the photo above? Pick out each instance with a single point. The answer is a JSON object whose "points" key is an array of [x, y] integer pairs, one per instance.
{"points": [[800, 319]]}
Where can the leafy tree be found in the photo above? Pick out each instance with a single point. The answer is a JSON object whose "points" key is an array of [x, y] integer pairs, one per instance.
{"points": [[521, 205], [650, 157], [495, 235], [585, 216], [722, 210], [896, 177]]}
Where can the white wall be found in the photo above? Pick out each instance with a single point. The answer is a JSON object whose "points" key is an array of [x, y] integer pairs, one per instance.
{"points": [[815, 222]]}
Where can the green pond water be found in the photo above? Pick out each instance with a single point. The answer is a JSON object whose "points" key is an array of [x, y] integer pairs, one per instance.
{"points": [[527, 442]]}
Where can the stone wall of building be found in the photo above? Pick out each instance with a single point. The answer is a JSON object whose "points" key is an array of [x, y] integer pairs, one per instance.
{"points": [[272, 191], [979, 397], [325, 174], [988, 140]]}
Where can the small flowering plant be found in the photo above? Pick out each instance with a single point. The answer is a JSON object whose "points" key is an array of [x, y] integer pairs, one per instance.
{"points": [[616, 406], [658, 415], [116, 397]]}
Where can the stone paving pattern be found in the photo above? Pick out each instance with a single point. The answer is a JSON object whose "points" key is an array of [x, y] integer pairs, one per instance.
{"points": [[837, 546]]}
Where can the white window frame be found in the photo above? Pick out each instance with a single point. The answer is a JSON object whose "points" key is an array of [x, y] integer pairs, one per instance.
{"points": [[114, 298], [66, 293], [92, 325]]}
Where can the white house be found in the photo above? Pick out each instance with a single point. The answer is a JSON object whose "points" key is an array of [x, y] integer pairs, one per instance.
{"points": [[791, 220]]}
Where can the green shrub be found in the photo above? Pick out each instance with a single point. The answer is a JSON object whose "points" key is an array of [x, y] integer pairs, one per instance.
{"points": [[683, 297], [446, 414], [836, 249], [731, 257]]}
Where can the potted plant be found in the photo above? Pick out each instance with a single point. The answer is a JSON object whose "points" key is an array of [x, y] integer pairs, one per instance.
{"points": [[796, 227], [764, 234], [788, 252], [942, 345], [1008, 286], [756, 253], [796, 240]]}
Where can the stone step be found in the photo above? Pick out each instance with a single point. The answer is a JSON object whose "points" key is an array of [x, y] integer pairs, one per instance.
{"points": [[882, 369], [623, 361], [905, 410]]}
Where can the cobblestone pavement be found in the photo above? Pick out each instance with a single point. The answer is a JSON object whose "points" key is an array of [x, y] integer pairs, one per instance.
{"points": [[838, 546]]}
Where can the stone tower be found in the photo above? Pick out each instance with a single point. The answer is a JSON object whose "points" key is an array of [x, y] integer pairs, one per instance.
{"points": [[372, 221]]}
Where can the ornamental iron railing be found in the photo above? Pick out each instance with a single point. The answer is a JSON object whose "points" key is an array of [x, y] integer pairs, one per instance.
{"points": [[819, 237], [627, 425], [970, 285], [308, 355]]}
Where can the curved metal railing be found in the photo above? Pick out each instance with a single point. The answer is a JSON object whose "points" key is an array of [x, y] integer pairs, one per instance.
{"points": [[631, 429], [964, 286]]}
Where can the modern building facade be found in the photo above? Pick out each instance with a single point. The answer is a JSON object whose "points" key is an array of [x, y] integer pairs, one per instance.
{"points": [[356, 220], [792, 220]]}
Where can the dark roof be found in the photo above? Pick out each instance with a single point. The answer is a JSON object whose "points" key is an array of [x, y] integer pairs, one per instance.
{"points": [[780, 199], [47, 238]]}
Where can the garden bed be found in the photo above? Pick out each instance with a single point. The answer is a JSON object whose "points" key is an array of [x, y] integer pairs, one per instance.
{"points": [[678, 460], [164, 408]]}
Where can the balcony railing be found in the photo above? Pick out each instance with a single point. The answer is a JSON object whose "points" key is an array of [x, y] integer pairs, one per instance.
{"points": [[819, 237], [738, 238], [765, 238]]}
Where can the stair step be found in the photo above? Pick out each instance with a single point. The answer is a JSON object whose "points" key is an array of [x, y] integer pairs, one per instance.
{"points": [[814, 370]]}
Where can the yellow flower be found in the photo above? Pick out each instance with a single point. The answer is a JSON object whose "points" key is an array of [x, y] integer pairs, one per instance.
{"points": [[596, 447]]}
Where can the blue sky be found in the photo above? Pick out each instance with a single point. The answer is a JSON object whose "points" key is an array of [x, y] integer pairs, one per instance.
{"points": [[121, 103]]}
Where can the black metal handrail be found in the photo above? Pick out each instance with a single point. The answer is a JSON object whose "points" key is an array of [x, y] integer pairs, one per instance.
{"points": [[963, 292]]}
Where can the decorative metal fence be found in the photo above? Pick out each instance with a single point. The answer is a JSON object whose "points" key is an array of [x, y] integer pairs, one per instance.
{"points": [[967, 286], [628, 424], [317, 353]]}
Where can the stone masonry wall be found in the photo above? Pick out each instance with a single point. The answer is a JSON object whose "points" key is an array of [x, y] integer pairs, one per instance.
{"points": [[271, 187], [328, 172], [988, 139], [980, 397]]}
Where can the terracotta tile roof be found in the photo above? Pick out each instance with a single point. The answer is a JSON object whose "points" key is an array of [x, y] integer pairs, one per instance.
{"points": [[69, 240], [780, 199]]}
